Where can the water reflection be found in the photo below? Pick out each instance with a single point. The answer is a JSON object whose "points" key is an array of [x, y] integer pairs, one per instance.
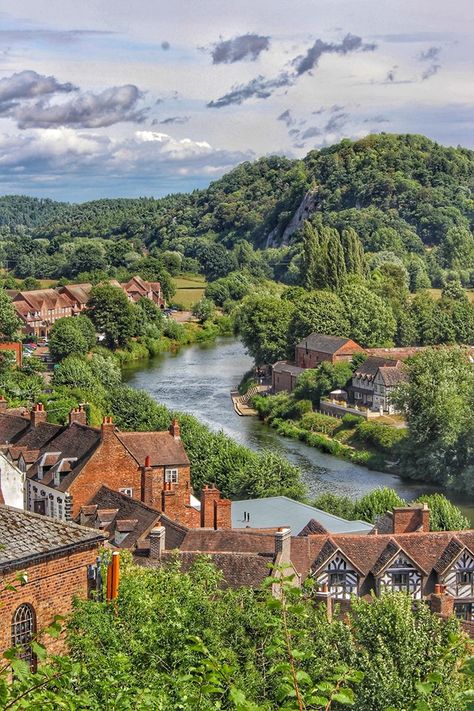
{"points": [[198, 380]]}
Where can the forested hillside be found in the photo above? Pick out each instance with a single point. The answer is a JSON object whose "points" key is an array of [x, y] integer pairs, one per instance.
{"points": [[403, 195]]}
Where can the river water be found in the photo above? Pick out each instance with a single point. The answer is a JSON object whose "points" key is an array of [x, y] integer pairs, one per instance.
{"points": [[198, 380]]}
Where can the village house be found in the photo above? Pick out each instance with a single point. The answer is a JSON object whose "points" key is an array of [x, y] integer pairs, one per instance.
{"points": [[57, 562], [362, 390], [318, 348], [63, 466], [41, 308], [284, 376]]}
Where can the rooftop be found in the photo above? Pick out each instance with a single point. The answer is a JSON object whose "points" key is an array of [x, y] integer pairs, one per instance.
{"points": [[278, 511]]}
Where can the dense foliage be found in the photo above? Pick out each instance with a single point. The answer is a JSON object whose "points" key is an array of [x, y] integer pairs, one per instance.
{"points": [[176, 640]]}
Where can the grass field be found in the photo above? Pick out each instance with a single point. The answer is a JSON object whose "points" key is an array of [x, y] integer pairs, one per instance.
{"points": [[436, 294], [189, 290]]}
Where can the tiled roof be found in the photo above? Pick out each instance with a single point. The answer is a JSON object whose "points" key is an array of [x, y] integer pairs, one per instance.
{"points": [[449, 555], [26, 536], [207, 540], [238, 569], [12, 427], [125, 512], [370, 366], [391, 376], [282, 366], [321, 342], [312, 527], [37, 437], [162, 448]]}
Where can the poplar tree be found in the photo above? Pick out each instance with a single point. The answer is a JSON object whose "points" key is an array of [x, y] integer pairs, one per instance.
{"points": [[335, 271], [353, 252], [309, 263]]}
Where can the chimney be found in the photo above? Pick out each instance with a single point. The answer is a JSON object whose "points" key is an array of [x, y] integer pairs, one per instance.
{"points": [[209, 495], [175, 430], [441, 602], [407, 519], [222, 513], [3, 404], [79, 415], [107, 427], [150, 495], [283, 546], [157, 541], [323, 597], [170, 502], [38, 414]]}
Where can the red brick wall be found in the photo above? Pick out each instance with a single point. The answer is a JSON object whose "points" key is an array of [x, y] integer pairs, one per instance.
{"points": [[312, 359], [409, 519], [50, 590], [112, 465]]}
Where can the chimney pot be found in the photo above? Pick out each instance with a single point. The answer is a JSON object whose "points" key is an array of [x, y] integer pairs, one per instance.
{"points": [[147, 460], [157, 541]]}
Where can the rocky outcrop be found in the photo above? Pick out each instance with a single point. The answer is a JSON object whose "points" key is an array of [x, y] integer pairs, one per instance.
{"points": [[306, 207]]}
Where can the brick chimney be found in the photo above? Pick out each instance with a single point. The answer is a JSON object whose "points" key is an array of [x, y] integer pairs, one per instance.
{"points": [[283, 546], [157, 541], [208, 496], [175, 430], [79, 415], [151, 485], [3, 404], [38, 414], [222, 513], [407, 519], [441, 602], [107, 427], [171, 504]]}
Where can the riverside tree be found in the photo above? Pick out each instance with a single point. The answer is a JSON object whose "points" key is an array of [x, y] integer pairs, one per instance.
{"points": [[9, 321], [112, 314]]}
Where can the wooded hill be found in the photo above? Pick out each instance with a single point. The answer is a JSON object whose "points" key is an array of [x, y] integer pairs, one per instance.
{"points": [[402, 194]]}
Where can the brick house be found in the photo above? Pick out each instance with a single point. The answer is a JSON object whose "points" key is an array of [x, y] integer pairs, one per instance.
{"points": [[137, 288], [284, 376], [63, 466], [58, 560], [318, 348]]}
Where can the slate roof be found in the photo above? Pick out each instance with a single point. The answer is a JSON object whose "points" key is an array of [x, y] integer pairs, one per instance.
{"points": [[324, 344], [162, 448], [37, 437], [26, 537], [370, 366], [276, 511]]}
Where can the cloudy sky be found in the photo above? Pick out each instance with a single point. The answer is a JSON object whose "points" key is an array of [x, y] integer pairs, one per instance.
{"points": [[104, 98]]}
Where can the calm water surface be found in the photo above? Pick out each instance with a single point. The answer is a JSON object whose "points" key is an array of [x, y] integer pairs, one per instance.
{"points": [[198, 380]]}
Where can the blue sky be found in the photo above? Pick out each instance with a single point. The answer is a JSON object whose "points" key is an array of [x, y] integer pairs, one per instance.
{"points": [[107, 98]]}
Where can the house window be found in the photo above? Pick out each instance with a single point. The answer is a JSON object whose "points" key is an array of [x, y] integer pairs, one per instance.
{"points": [[171, 476], [463, 610], [464, 577], [400, 581], [60, 508], [337, 580], [127, 491], [23, 630]]}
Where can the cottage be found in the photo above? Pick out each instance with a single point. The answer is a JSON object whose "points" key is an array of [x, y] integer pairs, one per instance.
{"points": [[57, 561], [385, 381], [318, 348], [284, 376], [361, 387]]}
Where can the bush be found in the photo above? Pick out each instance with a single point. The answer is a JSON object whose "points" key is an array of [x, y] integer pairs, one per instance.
{"points": [[334, 504], [316, 422], [350, 421], [382, 437]]}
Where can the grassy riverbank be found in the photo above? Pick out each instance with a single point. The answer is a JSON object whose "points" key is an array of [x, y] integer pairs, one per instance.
{"points": [[369, 444]]}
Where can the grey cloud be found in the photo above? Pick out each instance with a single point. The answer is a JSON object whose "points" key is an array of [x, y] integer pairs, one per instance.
{"points": [[247, 46], [336, 122], [287, 118], [376, 119], [171, 120], [311, 132], [87, 110], [165, 45], [29, 85], [293, 132], [430, 55], [390, 76], [262, 88], [350, 43], [430, 71], [259, 88]]}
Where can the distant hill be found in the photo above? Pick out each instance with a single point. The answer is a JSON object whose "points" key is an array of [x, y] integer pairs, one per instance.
{"points": [[400, 192]]}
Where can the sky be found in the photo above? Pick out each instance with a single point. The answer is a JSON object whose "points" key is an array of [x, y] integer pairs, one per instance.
{"points": [[112, 98]]}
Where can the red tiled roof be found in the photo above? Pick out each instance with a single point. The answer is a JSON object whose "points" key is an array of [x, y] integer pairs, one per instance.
{"points": [[162, 448]]}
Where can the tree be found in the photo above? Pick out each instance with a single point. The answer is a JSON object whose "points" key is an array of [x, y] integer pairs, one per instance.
{"points": [[112, 314], [66, 338], [334, 504], [444, 515], [309, 261], [335, 261], [87, 257], [353, 252], [263, 323], [315, 383], [9, 321], [371, 320], [204, 309], [438, 401], [320, 312], [74, 371], [376, 503]]}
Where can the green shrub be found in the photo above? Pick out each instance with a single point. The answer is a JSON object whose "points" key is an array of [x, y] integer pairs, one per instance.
{"points": [[351, 421], [316, 422], [382, 437]]}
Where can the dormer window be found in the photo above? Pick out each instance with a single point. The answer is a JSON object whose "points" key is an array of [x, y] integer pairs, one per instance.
{"points": [[171, 476], [465, 577], [400, 581]]}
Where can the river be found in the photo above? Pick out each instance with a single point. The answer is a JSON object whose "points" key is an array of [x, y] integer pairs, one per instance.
{"points": [[198, 380]]}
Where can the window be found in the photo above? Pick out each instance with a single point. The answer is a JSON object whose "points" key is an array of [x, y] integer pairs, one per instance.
{"points": [[400, 580], [171, 476], [23, 630], [465, 577], [463, 610], [127, 491], [337, 580]]}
